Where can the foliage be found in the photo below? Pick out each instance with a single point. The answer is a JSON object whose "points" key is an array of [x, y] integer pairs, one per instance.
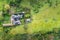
{"points": [[42, 25]]}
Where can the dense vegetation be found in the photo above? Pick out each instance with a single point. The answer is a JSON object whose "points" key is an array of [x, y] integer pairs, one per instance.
{"points": [[45, 24]]}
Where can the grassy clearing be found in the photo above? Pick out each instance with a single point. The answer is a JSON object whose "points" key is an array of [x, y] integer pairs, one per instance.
{"points": [[45, 20]]}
